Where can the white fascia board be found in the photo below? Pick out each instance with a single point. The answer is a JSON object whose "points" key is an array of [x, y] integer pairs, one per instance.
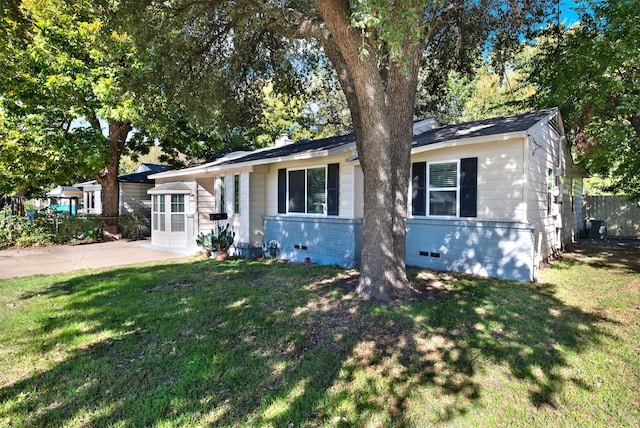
{"points": [[350, 147], [543, 122], [467, 141], [235, 167], [180, 172], [248, 166], [296, 157]]}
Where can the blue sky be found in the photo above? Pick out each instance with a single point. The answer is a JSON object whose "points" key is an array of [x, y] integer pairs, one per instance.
{"points": [[567, 12]]}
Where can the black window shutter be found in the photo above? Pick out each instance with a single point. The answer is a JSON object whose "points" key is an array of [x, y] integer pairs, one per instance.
{"points": [[419, 187], [282, 190], [468, 187], [333, 186]]}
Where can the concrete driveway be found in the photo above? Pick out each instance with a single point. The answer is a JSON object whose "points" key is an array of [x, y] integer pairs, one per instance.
{"points": [[66, 258]]}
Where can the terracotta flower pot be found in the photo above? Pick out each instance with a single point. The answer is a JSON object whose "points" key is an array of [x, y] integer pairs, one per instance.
{"points": [[221, 256], [206, 253]]}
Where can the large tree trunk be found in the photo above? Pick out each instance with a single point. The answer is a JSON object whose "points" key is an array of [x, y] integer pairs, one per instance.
{"points": [[118, 133], [382, 111]]}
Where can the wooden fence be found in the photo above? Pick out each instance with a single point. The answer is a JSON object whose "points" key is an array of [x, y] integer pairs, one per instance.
{"points": [[622, 218]]}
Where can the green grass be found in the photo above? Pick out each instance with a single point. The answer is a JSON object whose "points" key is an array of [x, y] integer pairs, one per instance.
{"points": [[286, 345]]}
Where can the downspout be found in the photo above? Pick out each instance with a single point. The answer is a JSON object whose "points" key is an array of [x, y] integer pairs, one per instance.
{"points": [[525, 196]]}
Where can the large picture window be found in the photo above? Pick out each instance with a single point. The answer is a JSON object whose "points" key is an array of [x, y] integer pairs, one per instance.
{"points": [[445, 189], [309, 190], [177, 213]]}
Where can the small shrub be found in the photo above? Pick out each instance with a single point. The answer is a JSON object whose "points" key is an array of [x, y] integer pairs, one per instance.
{"points": [[134, 225], [74, 229], [23, 231], [46, 228]]}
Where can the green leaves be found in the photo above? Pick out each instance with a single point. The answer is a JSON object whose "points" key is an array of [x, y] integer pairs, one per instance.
{"points": [[65, 79], [592, 72]]}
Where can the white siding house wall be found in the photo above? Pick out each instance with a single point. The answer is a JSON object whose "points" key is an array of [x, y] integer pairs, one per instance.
{"points": [[206, 204], [241, 221], [134, 198], [501, 183], [346, 195], [253, 192], [324, 239], [549, 205], [498, 241]]}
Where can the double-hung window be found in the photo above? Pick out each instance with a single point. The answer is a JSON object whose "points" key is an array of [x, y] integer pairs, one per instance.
{"points": [[177, 213], [157, 210], [309, 190], [445, 189]]}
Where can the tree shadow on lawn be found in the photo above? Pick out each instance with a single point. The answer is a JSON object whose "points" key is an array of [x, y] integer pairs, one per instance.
{"points": [[619, 254], [251, 343]]}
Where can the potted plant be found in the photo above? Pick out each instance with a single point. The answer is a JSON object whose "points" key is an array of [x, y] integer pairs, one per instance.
{"points": [[222, 241], [206, 242]]}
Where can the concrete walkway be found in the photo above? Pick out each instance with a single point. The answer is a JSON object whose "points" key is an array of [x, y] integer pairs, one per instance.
{"points": [[65, 258]]}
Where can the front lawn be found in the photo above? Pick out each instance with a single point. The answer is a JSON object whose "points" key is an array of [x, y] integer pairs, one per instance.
{"points": [[286, 345]]}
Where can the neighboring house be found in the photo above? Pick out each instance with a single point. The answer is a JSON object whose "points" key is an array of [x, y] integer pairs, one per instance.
{"points": [[133, 195], [494, 197], [64, 199]]}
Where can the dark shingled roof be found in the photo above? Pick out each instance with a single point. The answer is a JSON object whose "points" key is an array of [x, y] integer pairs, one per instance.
{"points": [[293, 148], [480, 128], [141, 175]]}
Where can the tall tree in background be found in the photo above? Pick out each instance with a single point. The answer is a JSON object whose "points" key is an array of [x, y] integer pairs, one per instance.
{"points": [[74, 98], [592, 72], [66, 113], [376, 48]]}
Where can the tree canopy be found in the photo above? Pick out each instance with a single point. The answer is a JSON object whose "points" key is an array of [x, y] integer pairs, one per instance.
{"points": [[592, 72], [66, 112]]}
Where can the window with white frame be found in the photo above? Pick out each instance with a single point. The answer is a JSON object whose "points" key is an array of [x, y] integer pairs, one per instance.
{"points": [[308, 190], [313, 190], [158, 212], [220, 185], [91, 200], [445, 189], [236, 194], [177, 213]]}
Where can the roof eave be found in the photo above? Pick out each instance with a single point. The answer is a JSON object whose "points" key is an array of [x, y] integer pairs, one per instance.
{"points": [[470, 140], [343, 148]]}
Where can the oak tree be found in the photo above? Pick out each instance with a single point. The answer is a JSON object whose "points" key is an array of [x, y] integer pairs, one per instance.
{"points": [[376, 48]]}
